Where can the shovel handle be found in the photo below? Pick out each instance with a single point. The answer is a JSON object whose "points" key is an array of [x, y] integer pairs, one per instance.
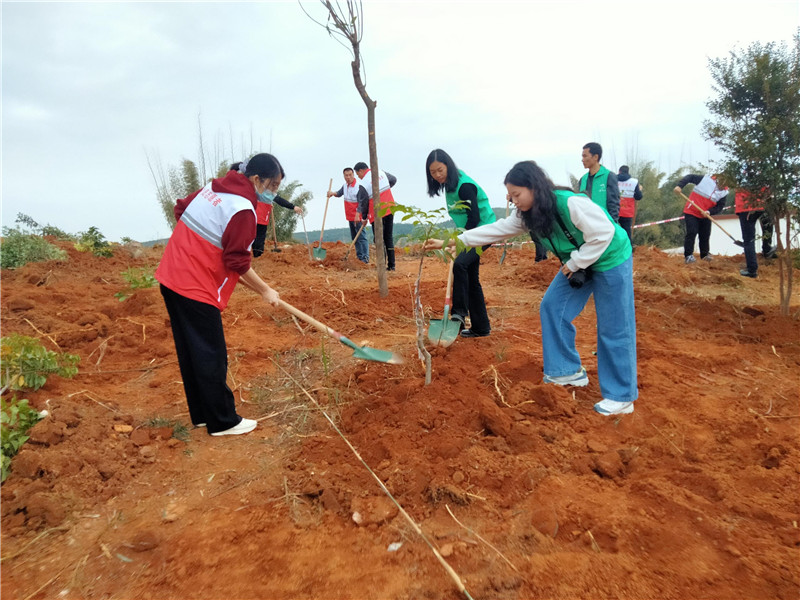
{"points": [[448, 294], [353, 243], [310, 253], [708, 216], [309, 319], [325, 214], [274, 234]]}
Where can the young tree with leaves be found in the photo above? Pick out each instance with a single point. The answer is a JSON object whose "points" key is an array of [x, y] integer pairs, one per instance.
{"points": [[756, 124]]}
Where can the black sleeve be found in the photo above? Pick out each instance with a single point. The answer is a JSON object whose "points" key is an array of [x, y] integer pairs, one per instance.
{"points": [[717, 208], [392, 179], [363, 202], [637, 193], [612, 196], [469, 194], [687, 179], [340, 193], [283, 202]]}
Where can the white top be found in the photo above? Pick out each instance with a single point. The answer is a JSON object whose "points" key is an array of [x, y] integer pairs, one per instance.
{"points": [[595, 225]]}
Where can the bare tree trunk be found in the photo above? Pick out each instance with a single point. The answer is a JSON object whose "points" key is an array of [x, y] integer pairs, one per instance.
{"points": [[380, 250], [785, 262], [419, 318]]}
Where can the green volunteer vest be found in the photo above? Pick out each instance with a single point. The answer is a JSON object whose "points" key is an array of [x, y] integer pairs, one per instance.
{"points": [[618, 251], [599, 186], [459, 215]]}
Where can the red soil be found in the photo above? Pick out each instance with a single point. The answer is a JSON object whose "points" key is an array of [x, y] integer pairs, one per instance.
{"points": [[695, 495]]}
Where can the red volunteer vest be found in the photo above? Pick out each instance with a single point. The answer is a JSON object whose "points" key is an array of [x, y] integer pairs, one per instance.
{"points": [[386, 200], [705, 195], [744, 202], [350, 195], [263, 211], [192, 263], [627, 205]]}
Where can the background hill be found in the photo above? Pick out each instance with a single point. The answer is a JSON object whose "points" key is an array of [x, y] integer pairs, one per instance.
{"points": [[694, 495]]}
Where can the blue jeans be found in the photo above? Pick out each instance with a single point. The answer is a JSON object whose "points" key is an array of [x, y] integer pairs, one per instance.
{"points": [[616, 329], [362, 245]]}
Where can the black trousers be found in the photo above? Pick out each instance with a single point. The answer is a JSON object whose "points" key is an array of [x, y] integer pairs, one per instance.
{"points": [[541, 251], [767, 230], [747, 222], [468, 293], [696, 227], [627, 224], [261, 237], [388, 239], [203, 360]]}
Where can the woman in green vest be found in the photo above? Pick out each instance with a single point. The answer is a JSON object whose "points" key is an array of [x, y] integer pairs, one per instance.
{"points": [[596, 257], [469, 208]]}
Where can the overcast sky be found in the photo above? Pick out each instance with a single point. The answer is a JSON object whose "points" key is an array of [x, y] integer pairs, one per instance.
{"points": [[90, 89]]}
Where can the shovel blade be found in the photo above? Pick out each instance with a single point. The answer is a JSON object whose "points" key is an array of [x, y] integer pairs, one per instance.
{"points": [[443, 332], [384, 356], [320, 253]]}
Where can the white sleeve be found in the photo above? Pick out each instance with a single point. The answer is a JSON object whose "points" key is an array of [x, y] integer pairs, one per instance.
{"points": [[494, 232], [597, 230]]}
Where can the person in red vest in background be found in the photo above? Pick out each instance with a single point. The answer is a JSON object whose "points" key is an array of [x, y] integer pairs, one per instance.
{"points": [[386, 181], [356, 211], [751, 210], [630, 192], [264, 212], [207, 254], [708, 196]]}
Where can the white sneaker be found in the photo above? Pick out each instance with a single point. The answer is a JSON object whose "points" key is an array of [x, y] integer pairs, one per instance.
{"points": [[200, 425], [689, 259], [244, 426], [613, 407], [578, 379]]}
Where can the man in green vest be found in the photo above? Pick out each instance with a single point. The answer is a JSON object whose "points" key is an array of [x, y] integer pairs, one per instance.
{"points": [[599, 183]]}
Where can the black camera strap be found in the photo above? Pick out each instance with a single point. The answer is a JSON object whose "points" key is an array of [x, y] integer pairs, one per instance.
{"points": [[570, 237]]}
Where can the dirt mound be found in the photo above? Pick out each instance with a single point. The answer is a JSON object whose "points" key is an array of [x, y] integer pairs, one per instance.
{"points": [[693, 495]]}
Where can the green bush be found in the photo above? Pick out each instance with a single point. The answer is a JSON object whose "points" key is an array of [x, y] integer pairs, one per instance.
{"points": [[19, 248], [27, 364], [95, 242], [137, 278], [16, 418]]}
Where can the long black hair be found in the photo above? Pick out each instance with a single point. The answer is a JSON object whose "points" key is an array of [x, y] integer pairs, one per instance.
{"points": [[264, 165], [451, 183], [539, 219]]}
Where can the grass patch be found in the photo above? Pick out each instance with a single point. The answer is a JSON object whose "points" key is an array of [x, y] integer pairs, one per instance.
{"points": [[180, 431], [280, 398]]}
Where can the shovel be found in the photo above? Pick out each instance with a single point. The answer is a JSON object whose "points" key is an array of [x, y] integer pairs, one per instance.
{"points": [[320, 253], [353, 243], [708, 216], [274, 237], [363, 352], [310, 253], [505, 244], [443, 332]]}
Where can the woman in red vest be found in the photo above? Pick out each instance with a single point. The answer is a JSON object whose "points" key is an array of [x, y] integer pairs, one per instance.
{"points": [[707, 196], [749, 210], [264, 212], [207, 254]]}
